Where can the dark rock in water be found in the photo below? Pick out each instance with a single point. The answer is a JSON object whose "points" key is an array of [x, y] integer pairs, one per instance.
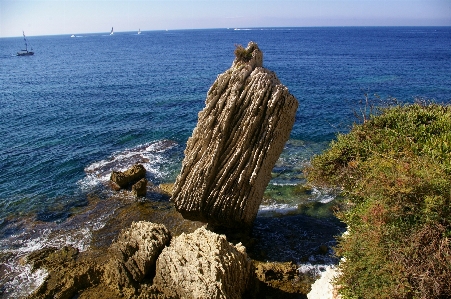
{"points": [[140, 187], [134, 255], [203, 265], [282, 276], [128, 177], [239, 136]]}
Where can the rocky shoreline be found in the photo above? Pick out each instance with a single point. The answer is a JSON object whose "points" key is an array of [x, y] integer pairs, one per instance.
{"points": [[82, 273], [204, 241]]}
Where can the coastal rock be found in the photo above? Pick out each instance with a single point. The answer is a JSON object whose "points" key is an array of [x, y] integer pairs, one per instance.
{"points": [[38, 258], [66, 276], [281, 276], [66, 283], [134, 254], [130, 176], [203, 265], [239, 136], [140, 187]]}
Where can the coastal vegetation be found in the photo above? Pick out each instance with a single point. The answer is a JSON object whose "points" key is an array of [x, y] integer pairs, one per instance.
{"points": [[394, 171], [243, 54]]}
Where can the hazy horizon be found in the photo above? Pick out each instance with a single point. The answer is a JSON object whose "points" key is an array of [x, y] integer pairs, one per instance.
{"points": [[215, 28], [56, 17]]}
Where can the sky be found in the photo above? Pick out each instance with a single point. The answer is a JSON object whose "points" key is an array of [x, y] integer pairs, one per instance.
{"points": [[51, 17]]}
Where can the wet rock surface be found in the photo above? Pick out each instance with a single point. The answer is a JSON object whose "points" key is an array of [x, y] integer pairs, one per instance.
{"points": [[128, 177], [239, 136]]}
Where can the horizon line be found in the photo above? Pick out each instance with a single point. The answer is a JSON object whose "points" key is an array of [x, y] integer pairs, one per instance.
{"points": [[240, 28]]}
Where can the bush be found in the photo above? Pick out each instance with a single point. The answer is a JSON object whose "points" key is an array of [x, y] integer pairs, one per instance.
{"points": [[243, 54], [394, 171]]}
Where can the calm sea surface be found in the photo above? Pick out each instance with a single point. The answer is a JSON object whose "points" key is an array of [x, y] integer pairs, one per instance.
{"points": [[85, 105]]}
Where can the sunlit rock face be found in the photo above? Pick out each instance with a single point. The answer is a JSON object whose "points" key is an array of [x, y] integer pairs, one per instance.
{"points": [[133, 255], [130, 176], [241, 132], [203, 265]]}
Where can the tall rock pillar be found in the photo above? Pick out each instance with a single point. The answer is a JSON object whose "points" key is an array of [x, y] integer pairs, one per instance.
{"points": [[240, 134]]}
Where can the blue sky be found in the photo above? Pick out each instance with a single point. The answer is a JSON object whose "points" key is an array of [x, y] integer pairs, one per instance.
{"points": [[48, 17]]}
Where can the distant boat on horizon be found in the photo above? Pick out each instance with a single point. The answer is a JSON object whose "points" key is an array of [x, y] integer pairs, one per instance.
{"points": [[25, 52], [111, 33], [139, 31], [72, 35]]}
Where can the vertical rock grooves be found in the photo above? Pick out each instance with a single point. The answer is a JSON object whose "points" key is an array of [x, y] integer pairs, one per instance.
{"points": [[239, 136]]}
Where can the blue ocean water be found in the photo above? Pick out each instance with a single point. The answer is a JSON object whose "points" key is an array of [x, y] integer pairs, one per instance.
{"points": [[84, 105]]}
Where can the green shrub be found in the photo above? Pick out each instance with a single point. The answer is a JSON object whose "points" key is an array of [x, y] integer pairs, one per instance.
{"points": [[243, 54], [395, 173]]}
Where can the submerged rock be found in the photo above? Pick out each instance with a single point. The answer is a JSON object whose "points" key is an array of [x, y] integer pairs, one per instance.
{"points": [[239, 136], [128, 177], [203, 265]]}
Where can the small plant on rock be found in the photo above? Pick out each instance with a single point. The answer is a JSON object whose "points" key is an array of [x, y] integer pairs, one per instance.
{"points": [[243, 54]]}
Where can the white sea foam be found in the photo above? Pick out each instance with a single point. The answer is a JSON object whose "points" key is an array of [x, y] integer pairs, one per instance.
{"points": [[272, 209], [312, 270], [19, 280], [322, 195], [150, 155], [323, 287], [318, 195], [24, 280], [284, 184]]}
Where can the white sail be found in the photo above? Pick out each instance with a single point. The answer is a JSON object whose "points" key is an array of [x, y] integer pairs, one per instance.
{"points": [[25, 52]]}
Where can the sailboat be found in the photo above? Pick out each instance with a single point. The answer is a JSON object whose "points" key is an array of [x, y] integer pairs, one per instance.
{"points": [[25, 52], [111, 33], [139, 31]]}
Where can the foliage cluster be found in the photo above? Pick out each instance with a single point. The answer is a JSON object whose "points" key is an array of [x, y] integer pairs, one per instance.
{"points": [[243, 54], [395, 173]]}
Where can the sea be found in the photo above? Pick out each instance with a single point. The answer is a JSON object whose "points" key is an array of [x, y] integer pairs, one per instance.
{"points": [[85, 105]]}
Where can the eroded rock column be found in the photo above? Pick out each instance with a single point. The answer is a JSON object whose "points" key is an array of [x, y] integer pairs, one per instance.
{"points": [[240, 134]]}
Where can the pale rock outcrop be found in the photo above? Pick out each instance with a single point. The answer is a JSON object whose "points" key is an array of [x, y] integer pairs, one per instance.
{"points": [[241, 132], [134, 254], [203, 264], [128, 177]]}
